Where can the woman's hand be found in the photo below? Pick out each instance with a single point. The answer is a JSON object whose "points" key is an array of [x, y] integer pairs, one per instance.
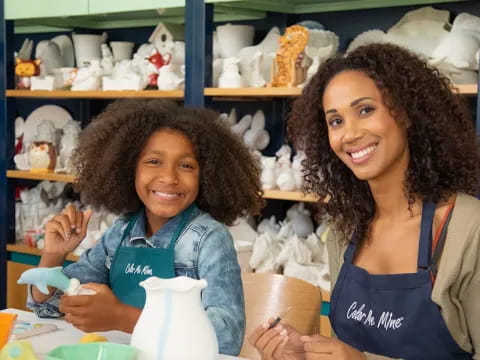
{"points": [[65, 231], [318, 347], [100, 312], [280, 343]]}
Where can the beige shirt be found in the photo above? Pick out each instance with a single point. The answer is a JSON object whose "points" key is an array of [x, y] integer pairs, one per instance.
{"points": [[457, 286]]}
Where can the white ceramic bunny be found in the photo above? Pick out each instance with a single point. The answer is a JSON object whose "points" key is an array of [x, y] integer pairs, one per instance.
{"points": [[230, 77], [257, 138], [268, 177]]}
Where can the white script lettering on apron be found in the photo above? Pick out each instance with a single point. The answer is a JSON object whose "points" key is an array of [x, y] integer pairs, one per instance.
{"points": [[132, 269], [387, 320]]}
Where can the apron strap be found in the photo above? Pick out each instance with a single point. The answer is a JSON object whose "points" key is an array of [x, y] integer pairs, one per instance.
{"points": [[352, 247], [129, 227], [425, 246], [439, 242]]}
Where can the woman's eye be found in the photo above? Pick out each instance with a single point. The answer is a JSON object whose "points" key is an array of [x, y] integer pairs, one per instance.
{"points": [[366, 110], [334, 122]]}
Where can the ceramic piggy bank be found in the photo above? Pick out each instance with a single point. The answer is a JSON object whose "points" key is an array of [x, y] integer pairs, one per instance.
{"points": [[173, 324]]}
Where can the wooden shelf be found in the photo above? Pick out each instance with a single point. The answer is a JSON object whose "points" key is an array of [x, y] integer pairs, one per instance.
{"points": [[99, 94], [289, 195], [465, 89], [18, 174], [24, 249], [254, 92]]}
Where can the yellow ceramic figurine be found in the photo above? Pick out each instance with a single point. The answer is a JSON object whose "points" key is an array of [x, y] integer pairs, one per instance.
{"points": [[287, 69], [24, 70]]}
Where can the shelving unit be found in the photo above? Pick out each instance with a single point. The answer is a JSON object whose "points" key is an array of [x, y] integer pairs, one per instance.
{"points": [[198, 16], [24, 249]]}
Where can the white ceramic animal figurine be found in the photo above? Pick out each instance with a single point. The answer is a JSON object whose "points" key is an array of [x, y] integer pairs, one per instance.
{"points": [[230, 77], [253, 76], [257, 138], [88, 78], [168, 79], [297, 169], [107, 60], [240, 127], [68, 143], [268, 177], [173, 312]]}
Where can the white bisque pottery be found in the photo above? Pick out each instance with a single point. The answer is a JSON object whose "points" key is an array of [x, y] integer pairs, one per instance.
{"points": [[232, 38], [173, 324], [87, 48], [122, 50]]}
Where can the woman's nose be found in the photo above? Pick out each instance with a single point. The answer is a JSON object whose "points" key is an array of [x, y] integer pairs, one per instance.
{"points": [[352, 131]]}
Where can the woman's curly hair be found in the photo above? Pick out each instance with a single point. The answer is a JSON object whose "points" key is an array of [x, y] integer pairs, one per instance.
{"points": [[444, 157], [109, 148]]}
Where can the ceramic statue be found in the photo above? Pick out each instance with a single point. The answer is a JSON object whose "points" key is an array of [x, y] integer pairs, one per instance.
{"points": [[286, 71], [268, 177], [252, 74], [240, 127], [49, 52], [297, 168], [169, 78], [230, 77], [107, 62], [88, 78], [460, 45], [157, 60], [42, 153], [88, 48], [318, 56], [25, 52], [125, 76], [257, 138], [232, 38], [267, 47], [173, 324], [24, 70], [68, 143], [420, 30], [269, 226], [366, 38], [217, 67], [44, 277]]}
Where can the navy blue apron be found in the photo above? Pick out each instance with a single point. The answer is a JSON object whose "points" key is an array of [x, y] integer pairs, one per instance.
{"points": [[132, 265], [393, 315]]}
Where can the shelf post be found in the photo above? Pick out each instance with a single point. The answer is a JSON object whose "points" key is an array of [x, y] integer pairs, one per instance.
{"points": [[7, 135], [198, 51]]}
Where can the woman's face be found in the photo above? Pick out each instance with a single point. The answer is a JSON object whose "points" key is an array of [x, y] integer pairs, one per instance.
{"points": [[168, 176], [361, 129]]}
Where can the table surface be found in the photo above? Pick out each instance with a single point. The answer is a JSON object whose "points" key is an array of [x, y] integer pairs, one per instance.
{"points": [[68, 334]]}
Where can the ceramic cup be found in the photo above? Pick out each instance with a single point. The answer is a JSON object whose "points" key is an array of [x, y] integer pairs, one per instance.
{"points": [[231, 38], [122, 50]]}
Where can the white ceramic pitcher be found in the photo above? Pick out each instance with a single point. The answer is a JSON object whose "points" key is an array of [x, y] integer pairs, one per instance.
{"points": [[173, 324]]}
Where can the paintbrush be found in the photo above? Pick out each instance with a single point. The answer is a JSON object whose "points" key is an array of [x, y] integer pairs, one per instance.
{"points": [[279, 318]]}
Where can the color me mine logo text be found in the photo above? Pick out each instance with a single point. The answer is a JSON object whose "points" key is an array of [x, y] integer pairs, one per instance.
{"points": [[138, 269], [386, 320]]}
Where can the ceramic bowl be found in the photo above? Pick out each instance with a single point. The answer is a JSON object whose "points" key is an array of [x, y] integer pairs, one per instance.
{"points": [[97, 351]]}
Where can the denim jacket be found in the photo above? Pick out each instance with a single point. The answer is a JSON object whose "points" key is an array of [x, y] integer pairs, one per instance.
{"points": [[203, 251]]}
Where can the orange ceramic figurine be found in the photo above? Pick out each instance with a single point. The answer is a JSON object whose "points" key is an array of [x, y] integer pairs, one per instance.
{"points": [[286, 69], [24, 69]]}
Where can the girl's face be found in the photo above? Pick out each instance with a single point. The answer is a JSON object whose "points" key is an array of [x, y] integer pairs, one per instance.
{"points": [[361, 129], [167, 176]]}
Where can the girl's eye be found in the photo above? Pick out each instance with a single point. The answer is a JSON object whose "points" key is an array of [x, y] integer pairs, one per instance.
{"points": [[366, 110], [153, 162], [187, 166], [335, 122]]}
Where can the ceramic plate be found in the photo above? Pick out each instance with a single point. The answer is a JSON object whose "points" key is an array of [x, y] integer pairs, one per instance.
{"points": [[58, 115], [66, 49]]}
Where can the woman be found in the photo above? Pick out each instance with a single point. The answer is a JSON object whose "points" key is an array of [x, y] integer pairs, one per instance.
{"points": [[394, 148]]}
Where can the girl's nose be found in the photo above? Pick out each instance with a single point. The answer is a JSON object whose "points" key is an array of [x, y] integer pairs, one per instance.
{"points": [[168, 176]]}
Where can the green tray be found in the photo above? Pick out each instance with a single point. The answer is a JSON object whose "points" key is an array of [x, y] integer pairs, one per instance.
{"points": [[93, 351]]}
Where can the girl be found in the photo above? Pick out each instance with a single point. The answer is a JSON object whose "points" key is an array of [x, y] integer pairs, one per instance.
{"points": [[395, 150], [176, 175]]}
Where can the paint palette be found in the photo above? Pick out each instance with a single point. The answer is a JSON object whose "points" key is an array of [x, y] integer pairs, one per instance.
{"points": [[25, 329]]}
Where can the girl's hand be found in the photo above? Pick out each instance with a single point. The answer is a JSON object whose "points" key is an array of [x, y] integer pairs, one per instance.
{"points": [[65, 231], [280, 343], [318, 347], [99, 312]]}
